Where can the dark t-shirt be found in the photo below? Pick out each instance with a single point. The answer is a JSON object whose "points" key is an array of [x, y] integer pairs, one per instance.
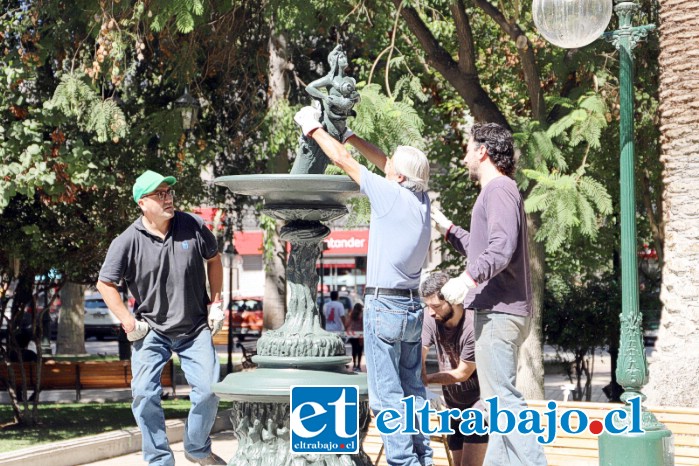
{"points": [[167, 277], [496, 248], [453, 345]]}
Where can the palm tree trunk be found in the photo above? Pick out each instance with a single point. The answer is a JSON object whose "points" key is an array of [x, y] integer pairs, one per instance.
{"points": [[675, 364]]}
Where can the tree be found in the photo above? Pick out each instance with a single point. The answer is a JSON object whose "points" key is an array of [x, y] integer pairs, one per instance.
{"points": [[86, 105], [675, 363], [578, 319]]}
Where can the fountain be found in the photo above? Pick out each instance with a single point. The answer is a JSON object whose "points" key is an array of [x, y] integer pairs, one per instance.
{"points": [[300, 352]]}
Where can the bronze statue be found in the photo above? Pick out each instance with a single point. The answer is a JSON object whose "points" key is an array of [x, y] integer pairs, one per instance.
{"points": [[336, 105]]}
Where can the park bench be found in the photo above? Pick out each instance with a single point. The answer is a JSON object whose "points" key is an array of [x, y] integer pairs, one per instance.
{"points": [[583, 449], [249, 349], [79, 375], [575, 450], [221, 338]]}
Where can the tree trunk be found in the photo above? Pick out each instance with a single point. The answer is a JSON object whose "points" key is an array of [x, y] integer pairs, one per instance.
{"points": [[530, 369], [71, 321], [675, 364], [275, 263]]}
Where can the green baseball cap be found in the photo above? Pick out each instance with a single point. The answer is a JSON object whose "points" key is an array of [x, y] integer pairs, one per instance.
{"points": [[149, 182]]}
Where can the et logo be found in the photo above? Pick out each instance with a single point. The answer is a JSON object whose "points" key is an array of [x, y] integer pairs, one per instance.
{"points": [[324, 419]]}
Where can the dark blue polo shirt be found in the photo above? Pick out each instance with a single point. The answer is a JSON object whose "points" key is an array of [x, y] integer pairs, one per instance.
{"points": [[167, 277]]}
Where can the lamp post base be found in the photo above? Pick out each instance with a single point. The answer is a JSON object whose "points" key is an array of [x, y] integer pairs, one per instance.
{"points": [[651, 448]]}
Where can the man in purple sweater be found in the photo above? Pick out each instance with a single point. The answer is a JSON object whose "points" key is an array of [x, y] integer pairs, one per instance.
{"points": [[496, 283]]}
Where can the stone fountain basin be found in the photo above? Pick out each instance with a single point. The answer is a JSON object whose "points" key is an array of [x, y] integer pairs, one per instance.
{"points": [[274, 385], [282, 191]]}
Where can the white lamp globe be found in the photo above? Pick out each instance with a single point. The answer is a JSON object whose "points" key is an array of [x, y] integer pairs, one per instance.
{"points": [[571, 23]]}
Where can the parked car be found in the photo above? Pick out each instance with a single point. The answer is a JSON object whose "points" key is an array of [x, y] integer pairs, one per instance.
{"points": [[6, 315], [99, 321], [246, 316], [24, 323]]}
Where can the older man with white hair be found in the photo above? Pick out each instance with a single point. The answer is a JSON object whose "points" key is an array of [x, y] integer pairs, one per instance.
{"points": [[399, 238]]}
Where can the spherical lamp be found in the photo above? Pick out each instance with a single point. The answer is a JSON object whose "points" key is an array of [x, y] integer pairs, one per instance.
{"points": [[571, 23]]}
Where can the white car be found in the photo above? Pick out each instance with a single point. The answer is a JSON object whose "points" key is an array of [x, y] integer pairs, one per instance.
{"points": [[99, 320]]}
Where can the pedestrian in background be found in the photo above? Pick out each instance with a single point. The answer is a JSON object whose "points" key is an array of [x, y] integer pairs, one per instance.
{"points": [[355, 330], [334, 312]]}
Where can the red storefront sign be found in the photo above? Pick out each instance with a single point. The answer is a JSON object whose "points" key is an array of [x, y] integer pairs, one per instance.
{"points": [[339, 243], [347, 243]]}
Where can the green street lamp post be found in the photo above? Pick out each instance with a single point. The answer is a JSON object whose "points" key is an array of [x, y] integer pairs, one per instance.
{"points": [[556, 20]]}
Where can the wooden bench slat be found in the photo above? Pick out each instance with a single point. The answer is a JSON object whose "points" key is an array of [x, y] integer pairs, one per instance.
{"points": [[82, 375], [554, 459]]}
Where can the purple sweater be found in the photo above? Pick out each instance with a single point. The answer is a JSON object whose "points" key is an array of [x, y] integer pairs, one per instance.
{"points": [[496, 248]]}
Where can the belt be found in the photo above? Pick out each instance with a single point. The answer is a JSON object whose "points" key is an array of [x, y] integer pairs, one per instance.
{"points": [[390, 292]]}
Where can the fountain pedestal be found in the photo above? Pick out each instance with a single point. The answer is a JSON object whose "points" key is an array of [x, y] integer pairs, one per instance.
{"points": [[300, 352]]}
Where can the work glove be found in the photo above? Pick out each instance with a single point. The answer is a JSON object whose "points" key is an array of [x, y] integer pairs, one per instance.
{"points": [[442, 223], [454, 291], [307, 118], [215, 319], [139, 331]]}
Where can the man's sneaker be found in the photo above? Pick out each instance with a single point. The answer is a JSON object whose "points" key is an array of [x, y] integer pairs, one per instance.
{"points": [[211, 459]]}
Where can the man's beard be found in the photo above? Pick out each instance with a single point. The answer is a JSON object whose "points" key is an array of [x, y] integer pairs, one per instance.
{"points": [[447, 317]]}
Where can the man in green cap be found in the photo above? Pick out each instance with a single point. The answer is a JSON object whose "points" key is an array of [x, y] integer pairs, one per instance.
{"points": [[164, 257]]}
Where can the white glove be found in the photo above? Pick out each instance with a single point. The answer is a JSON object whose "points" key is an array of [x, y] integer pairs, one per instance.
{"points": [[139, 331], [348, 134], [454, 291], [442, 223], [307, 118], [215, 319]]}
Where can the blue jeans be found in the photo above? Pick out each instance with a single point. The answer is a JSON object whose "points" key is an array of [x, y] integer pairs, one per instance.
{"points": [[201, 368], [498, 338], [393, 348]]}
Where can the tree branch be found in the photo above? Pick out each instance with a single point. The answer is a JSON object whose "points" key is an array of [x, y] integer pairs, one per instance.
{"points": [[467, 85], [464, 36], [526, 56]]}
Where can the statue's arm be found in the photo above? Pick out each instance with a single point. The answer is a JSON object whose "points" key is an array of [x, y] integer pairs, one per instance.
{"points": [[370, 152], [313, 88]]}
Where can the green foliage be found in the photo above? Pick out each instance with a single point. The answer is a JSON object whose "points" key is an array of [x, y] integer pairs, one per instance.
{"points": [[389, 122], [579, 318], [107, 121], [77, 100], [268, 225], [185, 13], [278, 132], [567, 202], [73, 96]]}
